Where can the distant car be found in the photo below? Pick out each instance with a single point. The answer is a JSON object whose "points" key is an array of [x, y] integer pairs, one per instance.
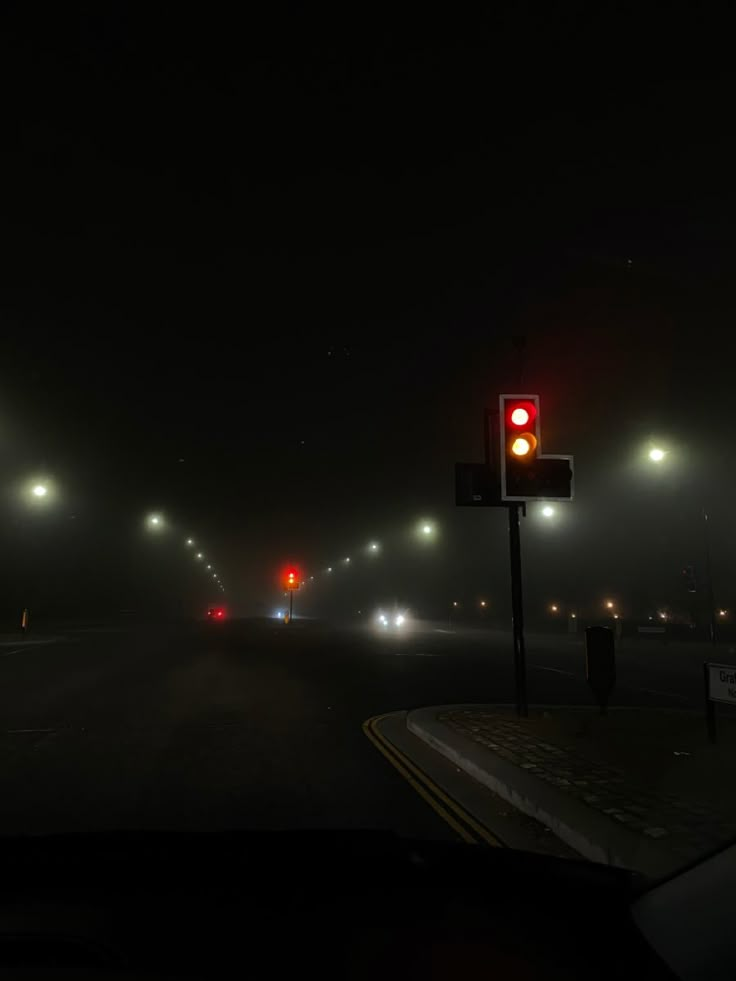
{"points": [[216, 613], [394, 620]]}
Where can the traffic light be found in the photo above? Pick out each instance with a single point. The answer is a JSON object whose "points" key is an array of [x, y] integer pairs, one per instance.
{"points": [[688, 574], [291, 578], [526, 473]]}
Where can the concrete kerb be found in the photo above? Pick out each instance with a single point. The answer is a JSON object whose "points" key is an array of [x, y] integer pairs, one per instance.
{"points": [[592, 835]]}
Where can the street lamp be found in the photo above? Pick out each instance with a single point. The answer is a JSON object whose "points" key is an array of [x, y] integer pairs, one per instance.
{"points": [[609, 604], [483, 604], [426, 530], [329, 568], [199, 555], [373, 547], [658, 455], [190, 541], [554, 608], [548, 511], [38, 492], [155, 522]]}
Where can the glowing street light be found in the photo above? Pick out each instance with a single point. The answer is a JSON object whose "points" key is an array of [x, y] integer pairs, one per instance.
{"points": [[483, 603], [426, 530], [656, 454], [548, 511], [209, 566], [609, 604], [455, 603], [155, 522], [554, 608], [373, 547], [39, 491], [189, 542], [347, 560], [329, 568], [199, 555], [722, 613]]}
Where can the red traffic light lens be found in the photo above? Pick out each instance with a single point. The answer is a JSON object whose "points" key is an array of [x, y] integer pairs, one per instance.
{"points": [[521, 414]]}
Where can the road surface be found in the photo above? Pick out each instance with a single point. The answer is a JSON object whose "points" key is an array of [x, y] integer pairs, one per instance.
{"points": [[258, 725]]}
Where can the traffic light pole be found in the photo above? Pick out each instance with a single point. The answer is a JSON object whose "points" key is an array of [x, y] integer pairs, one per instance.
{"points": [[515, 471], [291, 604], [713, 630], [517, 610]]}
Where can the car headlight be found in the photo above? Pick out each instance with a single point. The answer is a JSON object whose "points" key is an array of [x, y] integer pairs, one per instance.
{"points": [[399, 620]]}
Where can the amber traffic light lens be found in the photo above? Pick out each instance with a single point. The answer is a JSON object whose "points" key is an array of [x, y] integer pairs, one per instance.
{"points": [[523, 445]]}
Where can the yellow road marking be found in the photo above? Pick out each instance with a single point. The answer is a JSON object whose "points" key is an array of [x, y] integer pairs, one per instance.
{"points": [[460, 811], [426, 797], [401, 762]]}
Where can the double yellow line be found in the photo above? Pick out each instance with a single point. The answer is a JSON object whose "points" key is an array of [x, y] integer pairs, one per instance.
{"points": [[461, 822]]}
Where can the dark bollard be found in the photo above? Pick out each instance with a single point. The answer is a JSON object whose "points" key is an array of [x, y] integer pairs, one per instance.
{"points": [[600, 664]]}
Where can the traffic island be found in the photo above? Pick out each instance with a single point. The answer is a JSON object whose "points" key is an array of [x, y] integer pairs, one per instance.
{"points": [[638, 788]]}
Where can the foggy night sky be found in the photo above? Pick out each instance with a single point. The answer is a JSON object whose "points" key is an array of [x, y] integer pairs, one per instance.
{"points": [[292, 253]]}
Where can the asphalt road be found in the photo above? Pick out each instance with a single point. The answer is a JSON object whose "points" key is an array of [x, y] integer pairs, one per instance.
{"points": [[251, 724]]}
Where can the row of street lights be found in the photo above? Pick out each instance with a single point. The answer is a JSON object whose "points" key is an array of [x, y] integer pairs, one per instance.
{"points": [[424, 530], [156, 522], [43, 492]]}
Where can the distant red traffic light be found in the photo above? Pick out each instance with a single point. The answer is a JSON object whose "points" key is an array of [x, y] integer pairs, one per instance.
{"points": [[291, 578]]}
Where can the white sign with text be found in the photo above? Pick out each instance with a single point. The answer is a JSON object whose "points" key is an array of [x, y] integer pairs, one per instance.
{"points": [[722, 683]]}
